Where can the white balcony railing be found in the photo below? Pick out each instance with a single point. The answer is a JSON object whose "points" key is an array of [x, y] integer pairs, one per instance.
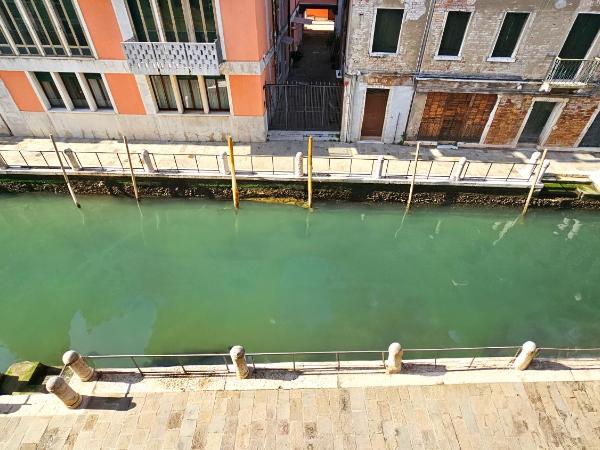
{"points": [[173, 58], [573, 72]]}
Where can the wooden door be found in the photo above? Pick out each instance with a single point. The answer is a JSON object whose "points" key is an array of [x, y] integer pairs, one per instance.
{"points": [[374, 115]]}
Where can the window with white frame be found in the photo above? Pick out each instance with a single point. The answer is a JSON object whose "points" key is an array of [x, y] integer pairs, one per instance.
{"points": [[182, 20], [69, 90], [12, 22], [510, 34], [386, 32], [98, 89], [42, 27], [454, 33], [193, 93], [50, 90]]}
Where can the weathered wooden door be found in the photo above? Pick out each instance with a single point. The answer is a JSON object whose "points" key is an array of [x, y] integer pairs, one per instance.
{"points": [[374, 115]]}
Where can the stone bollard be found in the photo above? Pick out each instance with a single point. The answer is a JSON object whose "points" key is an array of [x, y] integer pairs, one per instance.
{"points": [[458, 170], [238, 356], [78, 365], [299, 165], [224, 165], [378, 170], [147, 162], [528, 171], [72, 158], [59, 387], [3, 164], [394, 361], [543, 170], [524, 358]]}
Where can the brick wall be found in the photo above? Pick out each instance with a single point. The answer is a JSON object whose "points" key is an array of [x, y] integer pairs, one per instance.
{"points": [[573, 119], [509, 116]]}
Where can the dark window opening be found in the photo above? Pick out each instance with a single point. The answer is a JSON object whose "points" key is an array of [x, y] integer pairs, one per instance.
{"points": [[17, 28], [5, 48], [163, 92], [387, 30], [74, 90], [99, 92], [203, 17], [44, 28], [49, 87], [592, 135], [580, 38], [509, 35], [536, 122], [72, 27], [216, 89], [454, 33], [143, 20], [190, 92], [171, 12]]}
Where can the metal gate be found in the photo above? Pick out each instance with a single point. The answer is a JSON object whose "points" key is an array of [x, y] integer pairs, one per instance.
{"points": [[304, 107]]}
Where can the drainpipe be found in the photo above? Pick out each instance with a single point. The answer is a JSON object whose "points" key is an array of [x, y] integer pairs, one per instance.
{"points": [[421, 55]]}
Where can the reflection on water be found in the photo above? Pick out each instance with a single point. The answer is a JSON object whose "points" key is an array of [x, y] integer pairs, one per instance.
{"points": [[194, 276]]}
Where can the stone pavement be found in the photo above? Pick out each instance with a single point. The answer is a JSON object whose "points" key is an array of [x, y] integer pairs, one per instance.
{"points": [[462, 416], [562, 162]]}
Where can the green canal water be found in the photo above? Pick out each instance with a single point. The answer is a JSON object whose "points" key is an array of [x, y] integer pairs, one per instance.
{"points": [[194, 276]]}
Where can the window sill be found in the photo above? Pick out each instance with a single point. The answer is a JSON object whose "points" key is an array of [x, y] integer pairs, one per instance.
{"points": [[447, 58], [381, 54], [500, 60], [194, 114], [81, 111]]}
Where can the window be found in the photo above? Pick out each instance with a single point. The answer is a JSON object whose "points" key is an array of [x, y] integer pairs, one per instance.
{"points": [[74, 90], [201, 26], [216, 89], [171, 12], [387, 30], [49, 87], [163, 92], [71, 27], [99, 92], [17, 28], [203, 18], [190, 92], [5, 48], [143, 20], [44, 27], [454, 32], [509, 35]]}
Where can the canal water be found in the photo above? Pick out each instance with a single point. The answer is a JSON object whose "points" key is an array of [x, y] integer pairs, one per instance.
{"points": [[194, 276]]}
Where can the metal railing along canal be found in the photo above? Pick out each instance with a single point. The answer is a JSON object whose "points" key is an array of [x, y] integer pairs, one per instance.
{"points": [[191, 363]]}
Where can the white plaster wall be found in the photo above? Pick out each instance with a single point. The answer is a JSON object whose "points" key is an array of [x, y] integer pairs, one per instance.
{"points": [[10, 111], [396, 117], [158, 127]]}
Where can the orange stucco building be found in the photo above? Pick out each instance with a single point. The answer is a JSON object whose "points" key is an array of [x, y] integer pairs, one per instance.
{"points": [[104, 68]]}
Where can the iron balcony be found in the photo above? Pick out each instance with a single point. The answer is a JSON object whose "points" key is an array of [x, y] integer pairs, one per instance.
{"points": [[572, 73], [173, 58]]}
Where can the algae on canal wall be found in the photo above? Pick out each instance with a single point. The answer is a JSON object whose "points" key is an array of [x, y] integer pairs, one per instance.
{"points": [[557, 195]]}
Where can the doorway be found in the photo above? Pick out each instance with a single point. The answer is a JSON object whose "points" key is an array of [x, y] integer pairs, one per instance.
{"points": [[374, 114], [536, 122], [592, 135], [577, 45]]}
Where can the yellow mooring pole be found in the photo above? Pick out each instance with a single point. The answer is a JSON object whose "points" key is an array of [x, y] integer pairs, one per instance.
{"points": [[534, 182], [414, 175], [62, 167], [310, 169], [234, 189], [135, 188]]}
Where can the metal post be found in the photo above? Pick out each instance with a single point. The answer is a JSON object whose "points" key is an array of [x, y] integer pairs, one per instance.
{"points": [[62, 167], [234, 188], [414, 174], [310, 169], [135, 188], [534, 182]]}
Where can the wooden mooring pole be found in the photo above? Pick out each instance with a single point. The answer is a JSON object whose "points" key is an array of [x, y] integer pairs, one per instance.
{"points": [[135, 188], [414, 175], [310, 170], [534, 182], [62, 167], [234, 189]]}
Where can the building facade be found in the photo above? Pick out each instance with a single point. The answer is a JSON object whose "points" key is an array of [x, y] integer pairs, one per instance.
{"points": [[184, 70], [479, 72]]}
